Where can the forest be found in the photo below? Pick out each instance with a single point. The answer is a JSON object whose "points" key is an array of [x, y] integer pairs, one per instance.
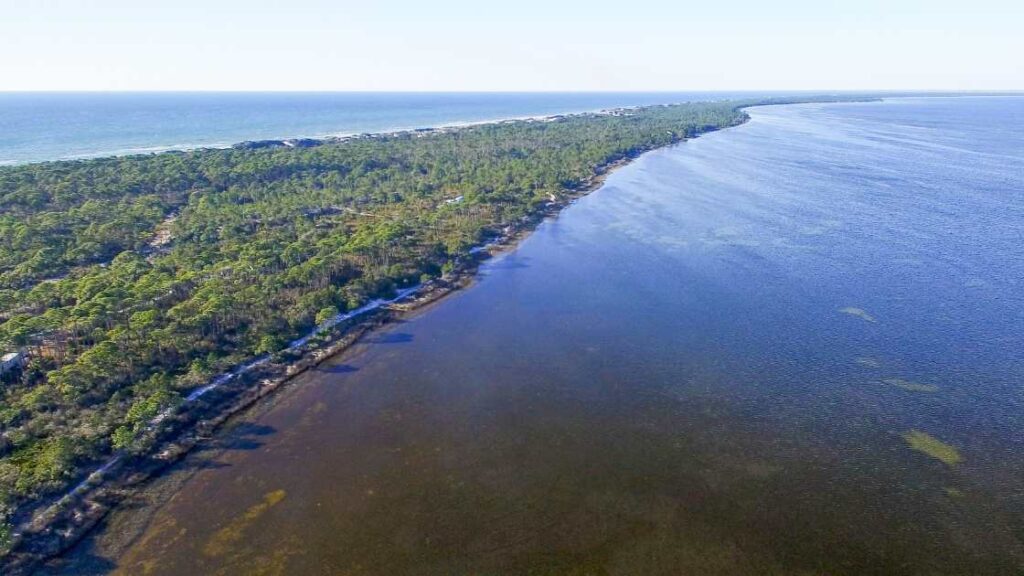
{"points": [[128, 282]]}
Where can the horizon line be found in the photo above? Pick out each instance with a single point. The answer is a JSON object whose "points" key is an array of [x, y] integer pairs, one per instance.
{"points": [[654, 91]]}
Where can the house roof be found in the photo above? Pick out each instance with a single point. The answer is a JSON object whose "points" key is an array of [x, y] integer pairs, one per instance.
{"points": [[10, 356]]}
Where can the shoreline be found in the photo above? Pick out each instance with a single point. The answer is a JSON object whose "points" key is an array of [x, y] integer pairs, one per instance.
{"points": [[332, 137], [59, 523], [324, 138], [56, 524]]}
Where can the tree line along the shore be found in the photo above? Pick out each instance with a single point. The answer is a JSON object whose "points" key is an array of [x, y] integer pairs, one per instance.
{"points": [[131, 281]]}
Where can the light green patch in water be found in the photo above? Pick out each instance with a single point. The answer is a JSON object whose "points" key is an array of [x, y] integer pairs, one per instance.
{"points": [[859, 313], [868, 361], [911, 386], [953, 492], [929, 445], [222, 541]]}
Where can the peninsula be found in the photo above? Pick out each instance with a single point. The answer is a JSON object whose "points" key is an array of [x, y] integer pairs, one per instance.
{"points": [[130, 287]]}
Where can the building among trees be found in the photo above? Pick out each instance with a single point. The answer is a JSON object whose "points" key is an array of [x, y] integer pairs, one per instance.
{"points": [[11, 362]]}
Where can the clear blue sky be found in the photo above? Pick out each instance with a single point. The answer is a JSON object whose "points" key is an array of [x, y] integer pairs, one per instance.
{"points": [[510, 45]]}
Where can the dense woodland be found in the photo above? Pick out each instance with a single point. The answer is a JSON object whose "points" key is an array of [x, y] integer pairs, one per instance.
{"points": [[131, 281]]}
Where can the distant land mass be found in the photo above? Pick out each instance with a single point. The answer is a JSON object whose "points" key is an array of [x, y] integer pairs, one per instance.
{"points": [[44, 126]]}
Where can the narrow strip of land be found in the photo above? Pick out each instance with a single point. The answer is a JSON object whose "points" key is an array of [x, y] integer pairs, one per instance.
{"points": [[267, 254]]}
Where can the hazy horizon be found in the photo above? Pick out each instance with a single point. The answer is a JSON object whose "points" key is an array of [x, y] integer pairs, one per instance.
{"points": [[458, 46], [895, 92]]}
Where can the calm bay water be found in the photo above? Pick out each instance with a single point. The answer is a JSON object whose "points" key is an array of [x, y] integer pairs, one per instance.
{"points": [[703, 367], [50, 126]]}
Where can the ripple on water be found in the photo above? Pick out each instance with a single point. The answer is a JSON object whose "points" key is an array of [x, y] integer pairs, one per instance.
{"points": [[911, 386]]}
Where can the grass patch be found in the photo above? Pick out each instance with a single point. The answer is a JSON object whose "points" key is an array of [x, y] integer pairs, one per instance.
{"points": [[929, 445], [226, 537]]}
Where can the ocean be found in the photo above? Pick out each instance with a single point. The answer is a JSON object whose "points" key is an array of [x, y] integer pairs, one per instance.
{"points": [[38, 127]]}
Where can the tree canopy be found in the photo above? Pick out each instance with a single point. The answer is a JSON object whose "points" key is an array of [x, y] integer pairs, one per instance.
{"points": [[134, 280]]}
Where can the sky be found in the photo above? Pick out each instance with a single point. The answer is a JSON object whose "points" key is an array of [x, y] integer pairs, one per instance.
{"points": [[511, 45]]}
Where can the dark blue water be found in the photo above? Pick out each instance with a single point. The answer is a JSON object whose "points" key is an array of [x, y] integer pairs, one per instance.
{"points": [[792, 347], [51, 126]]}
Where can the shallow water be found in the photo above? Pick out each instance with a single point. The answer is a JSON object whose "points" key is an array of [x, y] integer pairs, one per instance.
{"points": [[688, 371]]}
